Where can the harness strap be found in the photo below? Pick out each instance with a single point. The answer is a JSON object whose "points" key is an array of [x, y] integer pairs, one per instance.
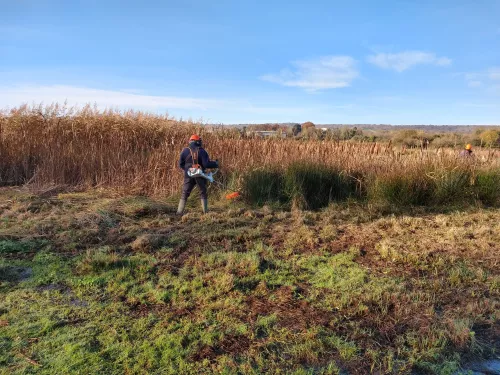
{"points": [[194, 157]]}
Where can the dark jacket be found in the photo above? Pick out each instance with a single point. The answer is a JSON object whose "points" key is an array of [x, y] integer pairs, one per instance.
{"points": [[186, 160], [466, 154]]}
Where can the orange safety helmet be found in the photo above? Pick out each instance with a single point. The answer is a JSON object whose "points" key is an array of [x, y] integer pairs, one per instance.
{"points": [[195, 138], [468, 147]]}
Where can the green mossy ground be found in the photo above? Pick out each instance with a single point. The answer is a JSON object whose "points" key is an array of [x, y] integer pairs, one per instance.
{"points": [[91, 283]]}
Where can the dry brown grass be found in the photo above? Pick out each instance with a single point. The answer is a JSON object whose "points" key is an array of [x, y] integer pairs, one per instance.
{"points": [[138, 152]]}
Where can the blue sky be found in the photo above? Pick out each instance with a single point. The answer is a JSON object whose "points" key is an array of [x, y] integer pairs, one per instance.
{"points": [[399, 62]]}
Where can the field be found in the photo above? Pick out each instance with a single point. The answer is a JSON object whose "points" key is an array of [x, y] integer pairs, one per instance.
{"points": [[339, 258], [93, 283]]}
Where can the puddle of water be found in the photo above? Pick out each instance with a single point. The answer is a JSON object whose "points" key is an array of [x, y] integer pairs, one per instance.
{"points": [[15, 274], [489, 367], [24, 273]]}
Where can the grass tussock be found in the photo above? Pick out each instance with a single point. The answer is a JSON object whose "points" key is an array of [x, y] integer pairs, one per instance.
{"points": [[401, 190], [263, 186], [306, 186], [487, 187], [313, 186]]}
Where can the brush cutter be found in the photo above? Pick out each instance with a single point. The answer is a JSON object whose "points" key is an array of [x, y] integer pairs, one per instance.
{"points": [[195, 172], [198, 172]]}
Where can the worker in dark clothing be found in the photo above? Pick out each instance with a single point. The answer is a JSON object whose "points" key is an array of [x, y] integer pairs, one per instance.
{"points": [[194, 156], [467, 152]]}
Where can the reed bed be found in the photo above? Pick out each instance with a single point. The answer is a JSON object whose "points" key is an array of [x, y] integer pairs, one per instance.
{"points": [[138, 153]]}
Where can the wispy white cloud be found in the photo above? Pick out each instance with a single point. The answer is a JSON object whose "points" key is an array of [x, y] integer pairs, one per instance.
{"points": [[474, 80], [405, 60], [328, 72], [494, 73], [474, 83], [15, 95], [488, 79]]}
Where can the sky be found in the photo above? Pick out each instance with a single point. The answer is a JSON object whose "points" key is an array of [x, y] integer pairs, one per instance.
{"points": [[341, 62]]}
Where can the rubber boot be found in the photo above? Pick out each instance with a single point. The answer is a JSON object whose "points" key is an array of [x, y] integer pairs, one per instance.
{"points": [[204, 205], [180, 208]]}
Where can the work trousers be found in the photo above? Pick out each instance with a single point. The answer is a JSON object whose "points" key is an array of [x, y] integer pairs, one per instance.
{"points": [[190, 183]]}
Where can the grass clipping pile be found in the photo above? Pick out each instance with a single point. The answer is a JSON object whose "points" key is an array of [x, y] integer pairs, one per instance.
{"points": [[95, 284]]}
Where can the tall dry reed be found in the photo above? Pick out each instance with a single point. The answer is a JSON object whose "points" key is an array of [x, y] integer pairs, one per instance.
{"points": [[138, 152]]}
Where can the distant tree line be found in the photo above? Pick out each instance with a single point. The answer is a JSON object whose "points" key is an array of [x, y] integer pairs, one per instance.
{"points": [[407, 136]]}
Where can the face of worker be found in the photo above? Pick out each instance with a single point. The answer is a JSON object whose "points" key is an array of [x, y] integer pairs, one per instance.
{"points": [[197, 143]]}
